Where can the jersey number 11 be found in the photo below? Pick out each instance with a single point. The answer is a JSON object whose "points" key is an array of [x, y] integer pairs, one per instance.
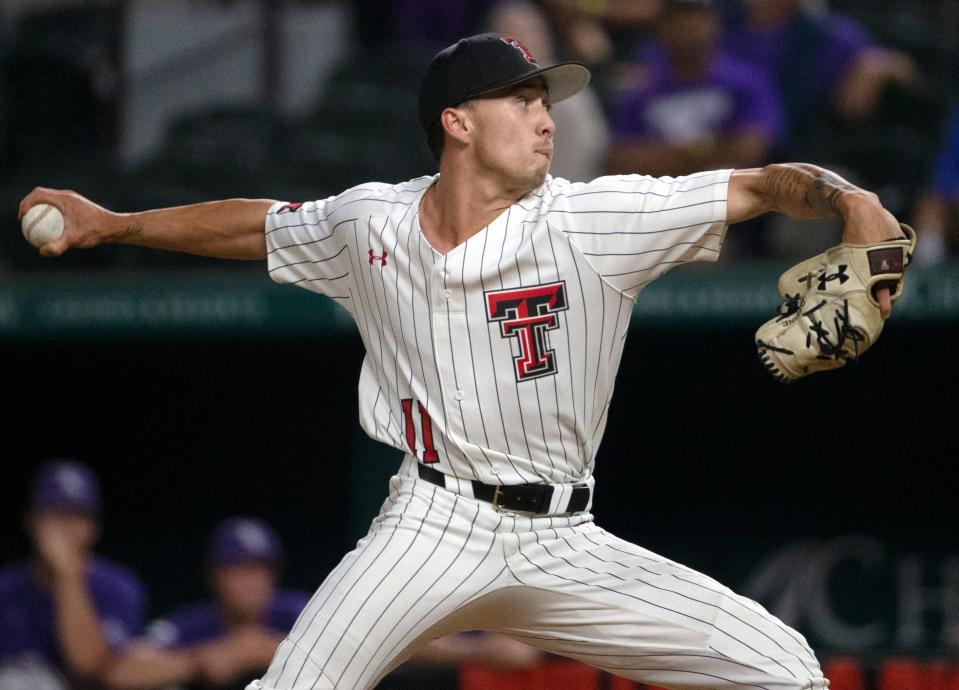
{"points": [[426, 426]]}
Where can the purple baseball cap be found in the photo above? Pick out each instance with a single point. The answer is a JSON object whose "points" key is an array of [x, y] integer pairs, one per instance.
{"points": [[67, 485], [242, 540]]}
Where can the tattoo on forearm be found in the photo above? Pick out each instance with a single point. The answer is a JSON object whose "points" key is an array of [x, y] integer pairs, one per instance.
{"points": [[132, 231], [807, 189]]}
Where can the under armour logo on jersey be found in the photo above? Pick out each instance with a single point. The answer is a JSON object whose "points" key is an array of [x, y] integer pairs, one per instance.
{"points": [[527, 314], [289, 208], [510, 41], [381, 258]]}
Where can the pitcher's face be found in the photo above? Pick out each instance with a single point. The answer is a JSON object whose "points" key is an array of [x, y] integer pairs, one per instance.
{"points": [[513, 138]]}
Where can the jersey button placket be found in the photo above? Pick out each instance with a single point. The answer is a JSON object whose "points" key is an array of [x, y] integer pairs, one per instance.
{"points": [[450, 311], [442, 343]]}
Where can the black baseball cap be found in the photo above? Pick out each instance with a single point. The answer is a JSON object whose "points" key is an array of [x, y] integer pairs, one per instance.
{"points": [[479, 64]]}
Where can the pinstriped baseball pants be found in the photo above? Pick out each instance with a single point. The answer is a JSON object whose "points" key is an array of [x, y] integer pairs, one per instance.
{"points": [[435, 563]]}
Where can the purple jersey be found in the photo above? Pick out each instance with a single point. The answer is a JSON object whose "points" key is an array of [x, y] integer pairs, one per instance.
{"points": [[946, 181], [830, 44], [730, 98], [203, 622], [26, 610], [437, 23]]}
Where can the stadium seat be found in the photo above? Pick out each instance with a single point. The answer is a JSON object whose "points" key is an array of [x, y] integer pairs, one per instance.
{"points": [[364, 125], [901, 674], [936, 675], [375, 138], [397, 66], [940, 675], [64, 49], [844, 673], [225, 136], [475, 677], [551, 675], [617, 683]]}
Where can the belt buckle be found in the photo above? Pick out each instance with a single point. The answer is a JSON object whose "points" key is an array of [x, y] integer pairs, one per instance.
{"points": [[496, 495], [499, 493]]}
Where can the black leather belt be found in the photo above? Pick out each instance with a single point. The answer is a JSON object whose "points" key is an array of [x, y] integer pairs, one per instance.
{"points": [[525, 498]]}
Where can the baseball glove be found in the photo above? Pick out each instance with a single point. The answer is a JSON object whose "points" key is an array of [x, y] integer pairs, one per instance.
{"points": [[830, 313]]}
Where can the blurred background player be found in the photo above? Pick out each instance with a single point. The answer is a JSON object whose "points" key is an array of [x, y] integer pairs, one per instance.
{"points": [[601, 33], [226, 641], [695, 107], [698, 108], [64, 612], [848, 102], [823, 63], [937, 211]]}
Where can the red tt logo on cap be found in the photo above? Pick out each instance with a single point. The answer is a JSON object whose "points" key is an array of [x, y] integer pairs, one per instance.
{"points": [[510, 41]]}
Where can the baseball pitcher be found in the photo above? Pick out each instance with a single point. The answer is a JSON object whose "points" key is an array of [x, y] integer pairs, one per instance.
{"points": [[493, 301]]}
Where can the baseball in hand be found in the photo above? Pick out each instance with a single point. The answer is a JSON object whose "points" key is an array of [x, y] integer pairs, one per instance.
{"points": [[41, 224]]}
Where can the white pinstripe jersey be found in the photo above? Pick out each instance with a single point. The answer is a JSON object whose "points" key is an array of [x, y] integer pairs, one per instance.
{"points": [[496, 361]]}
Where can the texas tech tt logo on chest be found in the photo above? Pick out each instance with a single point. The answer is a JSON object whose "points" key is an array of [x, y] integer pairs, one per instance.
{"points": [[527, 314]]}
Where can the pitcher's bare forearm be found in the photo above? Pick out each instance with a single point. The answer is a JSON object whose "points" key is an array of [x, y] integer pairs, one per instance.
{"points": [[231, 229], [799, 190], [804, 192]]}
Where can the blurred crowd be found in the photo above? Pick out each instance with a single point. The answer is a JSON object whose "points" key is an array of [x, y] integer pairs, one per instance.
{"points": [[867, 89], [70, 618]]}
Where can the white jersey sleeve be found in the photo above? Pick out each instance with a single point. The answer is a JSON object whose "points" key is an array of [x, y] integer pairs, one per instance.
{"points": [[308, 244], [633, 228]]}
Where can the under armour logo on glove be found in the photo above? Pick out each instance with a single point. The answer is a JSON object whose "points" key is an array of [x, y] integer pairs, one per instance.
{"points": [[839, 275], [381, 259]]}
